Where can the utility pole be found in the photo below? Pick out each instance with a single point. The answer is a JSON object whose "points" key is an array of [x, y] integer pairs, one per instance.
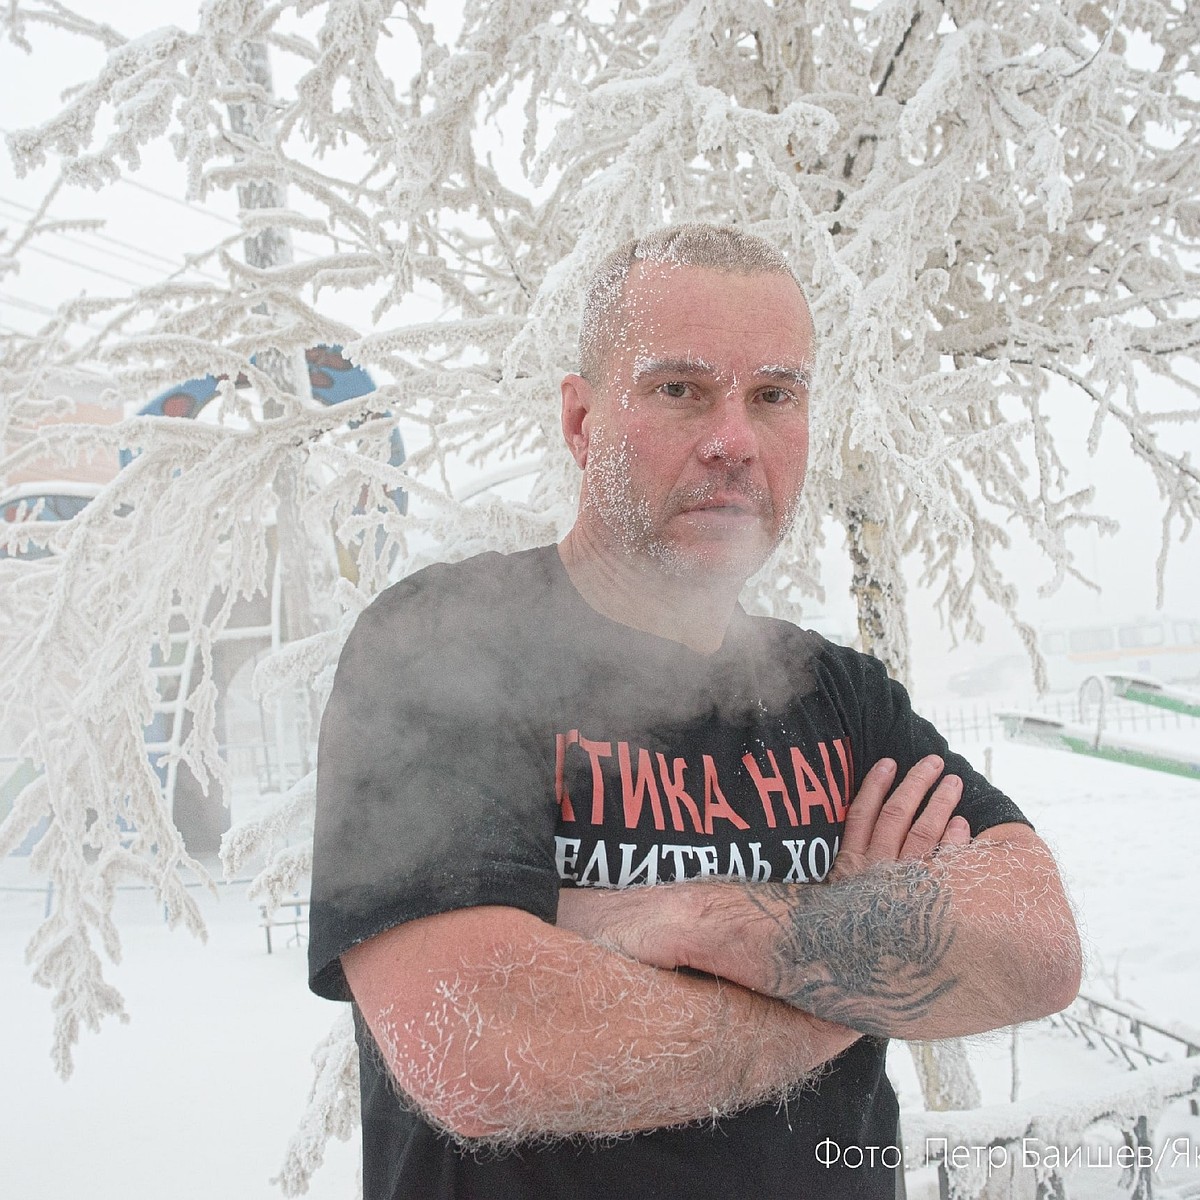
{"points": [[306, 563]]}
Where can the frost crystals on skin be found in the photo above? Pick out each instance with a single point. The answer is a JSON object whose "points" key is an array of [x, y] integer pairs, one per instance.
{"points": [[987, 238], [540, 1103], [865, 950]]}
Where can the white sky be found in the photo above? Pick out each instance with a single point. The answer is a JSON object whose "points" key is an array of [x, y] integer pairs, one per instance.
{"points": [[149, 229], [1135, 895]]}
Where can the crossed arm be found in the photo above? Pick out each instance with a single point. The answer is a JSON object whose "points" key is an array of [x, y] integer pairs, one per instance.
{"points": [[501, 1027], [901, 942]]}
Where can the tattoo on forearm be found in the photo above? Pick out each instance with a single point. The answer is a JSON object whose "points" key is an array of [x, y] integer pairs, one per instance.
{"points": [[869, 952]]}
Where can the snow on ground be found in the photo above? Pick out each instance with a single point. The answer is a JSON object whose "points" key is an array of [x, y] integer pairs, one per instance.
{"points": [[197, 1096], [1127, 841]]}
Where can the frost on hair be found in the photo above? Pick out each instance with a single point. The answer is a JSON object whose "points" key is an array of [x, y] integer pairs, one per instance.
{"points": [[561, 1079], [882, 949], [712, 247]]}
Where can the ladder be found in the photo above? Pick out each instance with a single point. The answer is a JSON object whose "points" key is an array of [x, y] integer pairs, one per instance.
{"points": [[174, 676]]}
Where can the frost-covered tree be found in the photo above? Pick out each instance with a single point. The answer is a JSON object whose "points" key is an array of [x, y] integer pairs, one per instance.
{"points": [[988, 197]]}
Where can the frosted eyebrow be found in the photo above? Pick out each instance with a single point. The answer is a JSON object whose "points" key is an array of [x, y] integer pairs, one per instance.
{"points": [[800, 377], [645, 367]]}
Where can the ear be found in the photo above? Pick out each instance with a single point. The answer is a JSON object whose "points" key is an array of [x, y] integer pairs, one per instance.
{"points": [[578, 397]]}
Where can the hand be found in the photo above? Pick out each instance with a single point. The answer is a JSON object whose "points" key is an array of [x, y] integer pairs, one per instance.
{"points": [[649, 923], [880, 827], [634, 921]]}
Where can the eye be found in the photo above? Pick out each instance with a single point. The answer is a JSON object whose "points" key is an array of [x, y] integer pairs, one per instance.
{"points": [[675, 390], [775, 395]]}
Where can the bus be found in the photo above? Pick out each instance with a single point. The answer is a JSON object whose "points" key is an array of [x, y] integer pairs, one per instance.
{"points": [[1166, 648]]}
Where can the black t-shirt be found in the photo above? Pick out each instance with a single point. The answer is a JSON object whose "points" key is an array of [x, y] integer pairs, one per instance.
{"points": [[491, 738]]}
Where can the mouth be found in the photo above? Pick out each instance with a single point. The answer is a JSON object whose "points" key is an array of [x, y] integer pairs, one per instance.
{"points": [[724, 512], [726, 502]]}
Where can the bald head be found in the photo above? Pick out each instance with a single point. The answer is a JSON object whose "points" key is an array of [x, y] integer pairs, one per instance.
{"points": [[722, 248]]}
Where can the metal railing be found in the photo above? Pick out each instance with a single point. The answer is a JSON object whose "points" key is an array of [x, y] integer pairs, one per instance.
{"points": [[986, 1151], [1163, 1062], [1127, 1032], [967, 723]]}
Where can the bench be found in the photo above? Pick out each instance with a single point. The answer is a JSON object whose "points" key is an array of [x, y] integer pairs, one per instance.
{"points": [[292, 913]]}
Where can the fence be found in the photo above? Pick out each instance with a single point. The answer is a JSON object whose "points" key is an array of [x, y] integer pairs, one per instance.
{"points": [[1126, 1032], [1024, 1149], [1163, 1057], [978, 722]]}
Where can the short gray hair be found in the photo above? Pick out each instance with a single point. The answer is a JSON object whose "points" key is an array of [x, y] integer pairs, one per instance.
{"points": [[713, 247]]}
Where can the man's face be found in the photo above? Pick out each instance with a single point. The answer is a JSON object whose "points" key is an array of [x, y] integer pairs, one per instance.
{"points": [[695, 439]]}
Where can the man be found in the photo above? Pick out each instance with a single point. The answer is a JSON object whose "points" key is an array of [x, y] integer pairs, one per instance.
{"points": [[601, 715]]}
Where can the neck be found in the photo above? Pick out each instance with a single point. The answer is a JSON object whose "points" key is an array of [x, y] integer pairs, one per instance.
{"points": [[640, 595]]}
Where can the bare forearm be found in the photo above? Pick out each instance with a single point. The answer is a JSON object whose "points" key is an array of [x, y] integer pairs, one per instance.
{"points": [[937, 947], [548, 1034], [966, 942]]}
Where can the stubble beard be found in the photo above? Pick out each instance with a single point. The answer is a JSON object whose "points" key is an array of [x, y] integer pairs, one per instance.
{"points": [[629, 521]]}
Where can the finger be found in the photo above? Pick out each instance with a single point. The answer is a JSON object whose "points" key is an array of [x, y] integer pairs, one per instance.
{"points": [[958, 832], [929, 829], [896, 817], [864, 811]]}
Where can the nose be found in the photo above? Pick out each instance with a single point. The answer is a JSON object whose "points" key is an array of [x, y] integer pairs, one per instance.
{"points": [[730, 435]]}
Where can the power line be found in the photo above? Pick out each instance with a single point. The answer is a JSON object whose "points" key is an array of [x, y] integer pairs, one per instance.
{"points": [[82, 236], [41, 309], [188, 204], [7, 298], [71, 262], [88, 233], [81, 240], [145, 187]]}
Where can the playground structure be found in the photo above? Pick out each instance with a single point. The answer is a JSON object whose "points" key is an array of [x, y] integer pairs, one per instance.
{"points": [[269, 741], [1079, 737], [1125, 1122]]}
